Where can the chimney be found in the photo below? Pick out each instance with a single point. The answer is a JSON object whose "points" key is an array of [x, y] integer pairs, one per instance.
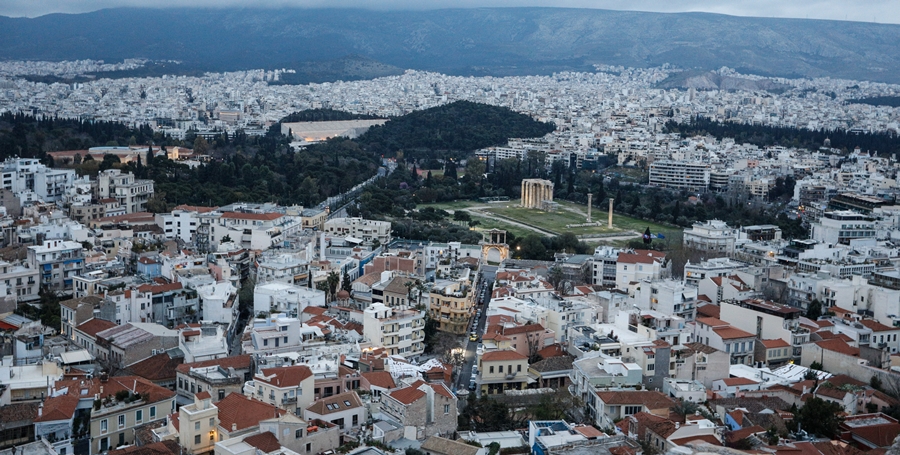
{"points": [[322, 247], [41, 409], [233, 427]]}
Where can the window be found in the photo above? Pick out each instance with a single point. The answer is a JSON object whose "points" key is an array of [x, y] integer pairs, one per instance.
{"points": [[298, 434], [196, 426], [197, 439], [519, 368], [446, 409], [122, 421], [492, 368], [212, 422], [104, 426], [500, 368], [629, 410], [104, 444], [152, 412], [308, 447], [139, 415]]}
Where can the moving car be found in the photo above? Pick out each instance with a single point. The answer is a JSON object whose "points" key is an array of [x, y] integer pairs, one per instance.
{"points": [[473, 336]]}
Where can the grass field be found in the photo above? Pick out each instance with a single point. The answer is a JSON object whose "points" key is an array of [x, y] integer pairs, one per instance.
{"points": [[568, 213]]}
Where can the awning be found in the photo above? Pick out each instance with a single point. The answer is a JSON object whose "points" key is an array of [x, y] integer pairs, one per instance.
{"points": [[73, 357]]}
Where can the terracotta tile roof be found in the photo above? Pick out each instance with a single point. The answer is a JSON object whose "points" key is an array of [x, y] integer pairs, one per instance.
{"points": [[159, 288], [831, 392], [58, 408], [731, 333], [650, 399], [443, 446], [730, 382], [316, 310], [878, 435], [710, 310], [712, 322], [290, 376], [441, 389], [775, 343], [236, 362], [335, 403], [93, 326], [169, 447], [381, 379], [203, 395], [528, 328], [159, 367], [116, 384], [243, 412], [708, 438], [406, 395], [90, 300], [877, 326], [265, 442], [838, 345], [554, 350], [502, 356]]}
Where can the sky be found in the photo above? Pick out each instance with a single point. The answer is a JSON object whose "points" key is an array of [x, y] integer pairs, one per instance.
{"points": [[881, 11]]}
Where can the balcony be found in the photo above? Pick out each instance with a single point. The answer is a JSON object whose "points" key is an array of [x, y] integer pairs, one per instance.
{"points": [[289, 400]]}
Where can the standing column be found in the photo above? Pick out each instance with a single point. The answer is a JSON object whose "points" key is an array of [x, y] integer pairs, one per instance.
{"points": [[609, 225], [526, 199], [590, 198]]}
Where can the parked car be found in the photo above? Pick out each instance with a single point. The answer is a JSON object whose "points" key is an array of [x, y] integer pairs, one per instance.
{"points": [[473, 336]]}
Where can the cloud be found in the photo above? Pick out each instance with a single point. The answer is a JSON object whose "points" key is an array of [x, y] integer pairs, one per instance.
{"points": [[883, 11]]}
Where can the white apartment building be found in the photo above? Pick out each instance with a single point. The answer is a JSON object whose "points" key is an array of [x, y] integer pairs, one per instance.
{"points": [[400, 332], [284, 268], [182, 222], [767, 320], [286, 298], [219, 302], [26, 175], [290, 388], [279, 333], [20, 281], [249, 230], [633, 267], [712, 236], [841, 227], [197, 424], [367, 231], [687, 175], [668, 297], [58, 262], [715, 267], [132, 194]]}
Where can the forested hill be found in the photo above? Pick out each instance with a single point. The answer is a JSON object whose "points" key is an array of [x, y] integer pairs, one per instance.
{"points": [[450, 131], [260, 169], [763, 135]]}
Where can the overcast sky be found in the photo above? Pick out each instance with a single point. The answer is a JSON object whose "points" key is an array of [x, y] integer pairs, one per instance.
{"points": [[882, 11]]}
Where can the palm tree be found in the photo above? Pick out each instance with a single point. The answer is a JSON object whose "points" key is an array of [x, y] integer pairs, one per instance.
{"points": [[333, 281]]}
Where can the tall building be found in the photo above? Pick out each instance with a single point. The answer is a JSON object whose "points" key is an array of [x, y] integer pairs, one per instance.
{"points": [[25, 176], [132, 194], [712, 236], [680, 174]]}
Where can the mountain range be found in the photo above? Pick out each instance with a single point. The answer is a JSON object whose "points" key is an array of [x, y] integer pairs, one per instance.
{"points": [[478, 41]]}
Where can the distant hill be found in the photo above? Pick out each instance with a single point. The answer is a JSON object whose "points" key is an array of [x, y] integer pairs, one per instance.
{"points": [[495, 41]]}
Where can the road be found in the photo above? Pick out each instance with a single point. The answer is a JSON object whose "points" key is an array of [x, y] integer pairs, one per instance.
{"points": [[488, 275]]}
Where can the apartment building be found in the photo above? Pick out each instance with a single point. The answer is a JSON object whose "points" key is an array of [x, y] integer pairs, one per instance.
{"points": [[400, 332], [58, 262], [767, 321], [502, 370], [722, 336], [20, 281], [451, 305], [692, 176], [197, 425], [422, 409], [842, 227], [27, 175], [367, 231], [219, 377], [346, 410], [713, 237], [181, 223], [124, 403], [131, 194], [289, 388]]}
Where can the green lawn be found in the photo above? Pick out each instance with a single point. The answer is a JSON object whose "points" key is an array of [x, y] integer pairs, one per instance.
{"points": [[568, 213]]}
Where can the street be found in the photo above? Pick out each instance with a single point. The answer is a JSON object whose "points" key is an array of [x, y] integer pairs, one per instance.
{"points": [[488, 275]]}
